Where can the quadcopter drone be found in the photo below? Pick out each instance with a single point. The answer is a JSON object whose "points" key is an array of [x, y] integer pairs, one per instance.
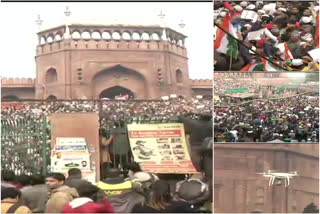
{"points": [[272, 174]]}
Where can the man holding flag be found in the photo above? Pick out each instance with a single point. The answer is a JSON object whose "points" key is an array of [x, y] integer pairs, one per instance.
{"points": [[225, 43]]}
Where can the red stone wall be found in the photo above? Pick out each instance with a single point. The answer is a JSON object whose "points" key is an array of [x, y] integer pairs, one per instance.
{"points": [[238, 189]]}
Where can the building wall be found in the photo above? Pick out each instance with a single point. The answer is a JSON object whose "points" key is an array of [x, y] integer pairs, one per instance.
{"points": [[21, 93], [69, 57], [239, 189]]}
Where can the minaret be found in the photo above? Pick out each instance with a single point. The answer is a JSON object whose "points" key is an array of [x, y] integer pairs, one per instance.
{"points": [[67, 14], [39, 23], [182, 25], [163, 25]]}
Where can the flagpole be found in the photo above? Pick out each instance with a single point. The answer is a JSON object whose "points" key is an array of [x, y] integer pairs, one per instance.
{"points": [[241, 43], [230, 61]]}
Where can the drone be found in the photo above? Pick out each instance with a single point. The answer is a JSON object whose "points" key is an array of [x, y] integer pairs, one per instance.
{"points": [[272, 174]]}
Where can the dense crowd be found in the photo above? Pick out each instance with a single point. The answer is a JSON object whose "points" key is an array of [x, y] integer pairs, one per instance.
{"points": [[290, 119], [135, 192], [284, 32], [221, 85], [113, 111]]}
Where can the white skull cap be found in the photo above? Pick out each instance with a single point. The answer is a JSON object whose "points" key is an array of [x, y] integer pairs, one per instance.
{"points": [[250, 7], [297, 62], [282, 9], [243, 4], [222, 14], [306, 19], [238, 8]]}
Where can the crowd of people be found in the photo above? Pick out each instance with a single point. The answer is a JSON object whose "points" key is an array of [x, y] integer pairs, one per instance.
{"points": [[113, 111], [134, 192], [284, 32], [221, 85], [288, 119]]}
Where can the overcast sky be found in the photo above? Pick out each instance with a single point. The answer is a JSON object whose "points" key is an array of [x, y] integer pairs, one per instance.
{"points": [[19, 40]]}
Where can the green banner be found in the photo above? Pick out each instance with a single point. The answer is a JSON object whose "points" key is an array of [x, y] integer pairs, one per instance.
{"points": [[233, 90], [287, 86]]}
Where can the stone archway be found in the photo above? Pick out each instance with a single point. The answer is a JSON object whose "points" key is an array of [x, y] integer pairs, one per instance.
{"points": [[51, 97], [119, 78], [112, 92]]}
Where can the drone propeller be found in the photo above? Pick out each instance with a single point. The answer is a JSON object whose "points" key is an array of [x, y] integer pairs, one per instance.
{"points": [[295, 172]]}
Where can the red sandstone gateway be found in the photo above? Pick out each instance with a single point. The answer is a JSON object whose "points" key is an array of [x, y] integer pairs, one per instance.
{"points": [[104, 61]]}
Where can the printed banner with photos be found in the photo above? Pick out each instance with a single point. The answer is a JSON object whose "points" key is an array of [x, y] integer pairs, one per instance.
{"points": [[161, 148], [71, 153]]}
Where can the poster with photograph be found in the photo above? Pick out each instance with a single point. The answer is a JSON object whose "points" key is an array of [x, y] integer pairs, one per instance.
{"points": [[71, 153], [160, 148]]}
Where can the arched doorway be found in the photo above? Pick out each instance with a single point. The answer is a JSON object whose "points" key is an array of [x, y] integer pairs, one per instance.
{"points": [[9, 98], [51, 97], [115, 91], [118, 79], [51, 75], [179, 76]]}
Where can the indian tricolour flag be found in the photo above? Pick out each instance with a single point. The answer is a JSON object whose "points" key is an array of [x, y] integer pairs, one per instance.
{"points": [[224, 43], [253, 67], [269, 66], [287, 52]]}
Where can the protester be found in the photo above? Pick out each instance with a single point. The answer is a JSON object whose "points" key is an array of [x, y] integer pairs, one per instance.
{"points": [[35, 196], [86, 204], [190, 197], [157, 200], [8, 179], [272, 36], [59, 193], [75, 180], [24, 181], [119, 192], [7, 176], [266, 111], [10, 201]]}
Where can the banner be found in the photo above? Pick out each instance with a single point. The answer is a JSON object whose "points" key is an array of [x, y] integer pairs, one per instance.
{"points": [[160, 148], [71, 153], [255, 35], [249, 15], [315, 53], [233, 90]]}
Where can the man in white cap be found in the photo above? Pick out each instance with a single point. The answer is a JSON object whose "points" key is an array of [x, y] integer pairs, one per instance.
{"points": [[251, 7], [306, 20], [238, 8], [260, 14], [248, 26], [243, 4], [297, 62]]}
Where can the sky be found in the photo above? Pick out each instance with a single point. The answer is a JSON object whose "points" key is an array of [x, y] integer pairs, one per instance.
{"points": [[18, 21]]}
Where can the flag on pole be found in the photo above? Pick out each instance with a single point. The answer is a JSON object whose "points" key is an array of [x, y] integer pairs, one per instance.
{"points": [[287, 52], [225, 43], [316, 37], [254, 67]]}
